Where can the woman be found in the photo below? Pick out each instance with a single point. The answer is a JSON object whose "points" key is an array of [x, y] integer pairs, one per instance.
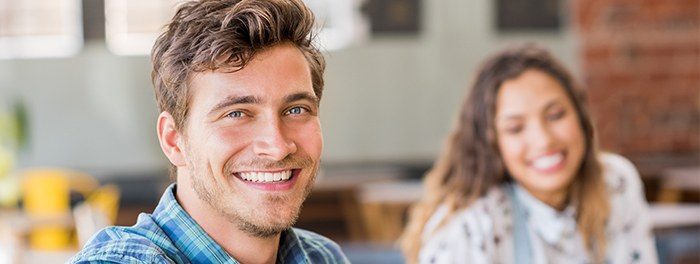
{"points": [[521, 181]]}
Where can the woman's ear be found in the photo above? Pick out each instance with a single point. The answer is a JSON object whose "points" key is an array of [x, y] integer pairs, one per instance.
{"points": [[170, 139]]}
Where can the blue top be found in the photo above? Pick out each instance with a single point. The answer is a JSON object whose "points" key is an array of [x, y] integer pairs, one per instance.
{"points": [[170, 235]]}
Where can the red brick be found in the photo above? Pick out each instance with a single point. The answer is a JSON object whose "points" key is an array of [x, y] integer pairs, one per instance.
{"points": [[641, 67], [598, 53]]}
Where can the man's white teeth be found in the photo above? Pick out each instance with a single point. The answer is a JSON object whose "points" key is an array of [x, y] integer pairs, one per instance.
{"points": [[547, 162], [266, 176]]}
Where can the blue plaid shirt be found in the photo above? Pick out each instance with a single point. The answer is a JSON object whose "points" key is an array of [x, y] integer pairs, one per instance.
{"points": [[170, 235]]}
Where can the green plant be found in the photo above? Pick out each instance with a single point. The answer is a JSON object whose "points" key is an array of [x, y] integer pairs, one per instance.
{"points": [[13, 138]]}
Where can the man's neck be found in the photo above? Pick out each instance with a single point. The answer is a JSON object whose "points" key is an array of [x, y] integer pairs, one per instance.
{"points": [[240, 245]]}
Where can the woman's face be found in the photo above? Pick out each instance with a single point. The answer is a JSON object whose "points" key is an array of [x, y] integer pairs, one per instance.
{"points": [[539, 135]]}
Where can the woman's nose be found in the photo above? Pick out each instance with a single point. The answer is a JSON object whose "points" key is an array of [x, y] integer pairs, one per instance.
{"points": [[540, 136]]}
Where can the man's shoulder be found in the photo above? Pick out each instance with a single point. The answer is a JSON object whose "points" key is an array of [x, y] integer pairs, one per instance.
{"points": [[122, 245], [320, 249]]}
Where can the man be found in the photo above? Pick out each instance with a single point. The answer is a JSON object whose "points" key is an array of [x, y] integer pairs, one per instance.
{"points": [[239, 85]]}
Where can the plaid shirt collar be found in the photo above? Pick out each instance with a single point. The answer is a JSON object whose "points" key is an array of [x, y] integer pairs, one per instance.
{"points": [[197, 246]]}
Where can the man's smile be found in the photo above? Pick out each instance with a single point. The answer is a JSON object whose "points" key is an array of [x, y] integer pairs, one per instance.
{"points": [[260, 176], [277, 180]]}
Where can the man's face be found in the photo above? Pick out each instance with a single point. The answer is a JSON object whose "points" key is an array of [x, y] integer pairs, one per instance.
{"points": [[252, 141]]}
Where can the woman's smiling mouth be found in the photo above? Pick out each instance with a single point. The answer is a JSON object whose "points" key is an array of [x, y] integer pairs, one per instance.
{"points": [[549, 163]]}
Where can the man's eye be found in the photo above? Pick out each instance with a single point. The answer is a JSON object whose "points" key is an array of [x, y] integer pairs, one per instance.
{"points": [[296, 110], [236, 114]]}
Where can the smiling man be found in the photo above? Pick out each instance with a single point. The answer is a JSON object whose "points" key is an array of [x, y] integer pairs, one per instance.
{"points": [[239, 85]]}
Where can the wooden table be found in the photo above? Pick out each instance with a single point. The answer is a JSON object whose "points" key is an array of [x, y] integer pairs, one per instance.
{"points": [[385, 206], [675, 181], [333, 208]]}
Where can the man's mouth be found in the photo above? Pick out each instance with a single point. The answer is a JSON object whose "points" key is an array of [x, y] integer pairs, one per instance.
{"points": [[263, 177], [278, 180]]}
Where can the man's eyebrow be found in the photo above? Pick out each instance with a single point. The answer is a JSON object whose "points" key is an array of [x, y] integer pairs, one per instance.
{"points": [[301, 96], [234, 100]]}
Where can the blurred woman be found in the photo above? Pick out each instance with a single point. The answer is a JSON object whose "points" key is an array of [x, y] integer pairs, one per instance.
{"points": [[520, 179]]}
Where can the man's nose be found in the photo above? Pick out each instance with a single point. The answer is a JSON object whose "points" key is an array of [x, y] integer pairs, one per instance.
{"points": [[271, 142]]}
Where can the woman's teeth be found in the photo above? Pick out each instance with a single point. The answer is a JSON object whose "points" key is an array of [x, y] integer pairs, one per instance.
{"points": [[546, 162], [266, 176]]}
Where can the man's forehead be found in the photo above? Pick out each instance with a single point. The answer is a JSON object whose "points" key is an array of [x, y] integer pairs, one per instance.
{"points": [[271, 75], [222, 84]]}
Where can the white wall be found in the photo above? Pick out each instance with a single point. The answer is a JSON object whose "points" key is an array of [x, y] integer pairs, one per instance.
{"points": [[94, 111], [395, 98], [390, 99]]}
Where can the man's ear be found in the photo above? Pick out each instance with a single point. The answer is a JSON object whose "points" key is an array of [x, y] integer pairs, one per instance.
{"points": [[170, 139]]}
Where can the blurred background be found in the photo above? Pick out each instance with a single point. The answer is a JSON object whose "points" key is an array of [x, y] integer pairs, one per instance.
{"points": [[78, 148]]}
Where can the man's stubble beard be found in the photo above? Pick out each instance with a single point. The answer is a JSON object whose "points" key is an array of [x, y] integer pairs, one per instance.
{"points": [[249, 221]]}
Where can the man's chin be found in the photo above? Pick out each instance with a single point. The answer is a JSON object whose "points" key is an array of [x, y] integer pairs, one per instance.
{"points": [[259, 231], [268, 220], [267, 229]]}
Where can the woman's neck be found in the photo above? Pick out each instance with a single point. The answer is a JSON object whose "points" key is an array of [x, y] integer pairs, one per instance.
{"points": [[556, 199]]}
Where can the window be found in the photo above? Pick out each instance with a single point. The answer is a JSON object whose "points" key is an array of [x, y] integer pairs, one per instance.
{"points": [[40, 28], [133, 25], [341, 23]]}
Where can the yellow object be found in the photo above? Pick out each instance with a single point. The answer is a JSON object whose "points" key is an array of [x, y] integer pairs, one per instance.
{"points": [[81, 182], [106, 199], [46, 202]]}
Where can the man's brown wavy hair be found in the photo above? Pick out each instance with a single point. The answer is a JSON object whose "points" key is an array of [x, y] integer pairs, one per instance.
{"points": [[210, 35]]}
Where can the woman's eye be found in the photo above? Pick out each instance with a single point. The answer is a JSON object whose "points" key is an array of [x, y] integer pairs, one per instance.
{"points": [[514, 130], [236, 114], [556, 115]]}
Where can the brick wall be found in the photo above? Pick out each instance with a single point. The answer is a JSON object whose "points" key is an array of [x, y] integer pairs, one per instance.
{"points": [[641, 66]]}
